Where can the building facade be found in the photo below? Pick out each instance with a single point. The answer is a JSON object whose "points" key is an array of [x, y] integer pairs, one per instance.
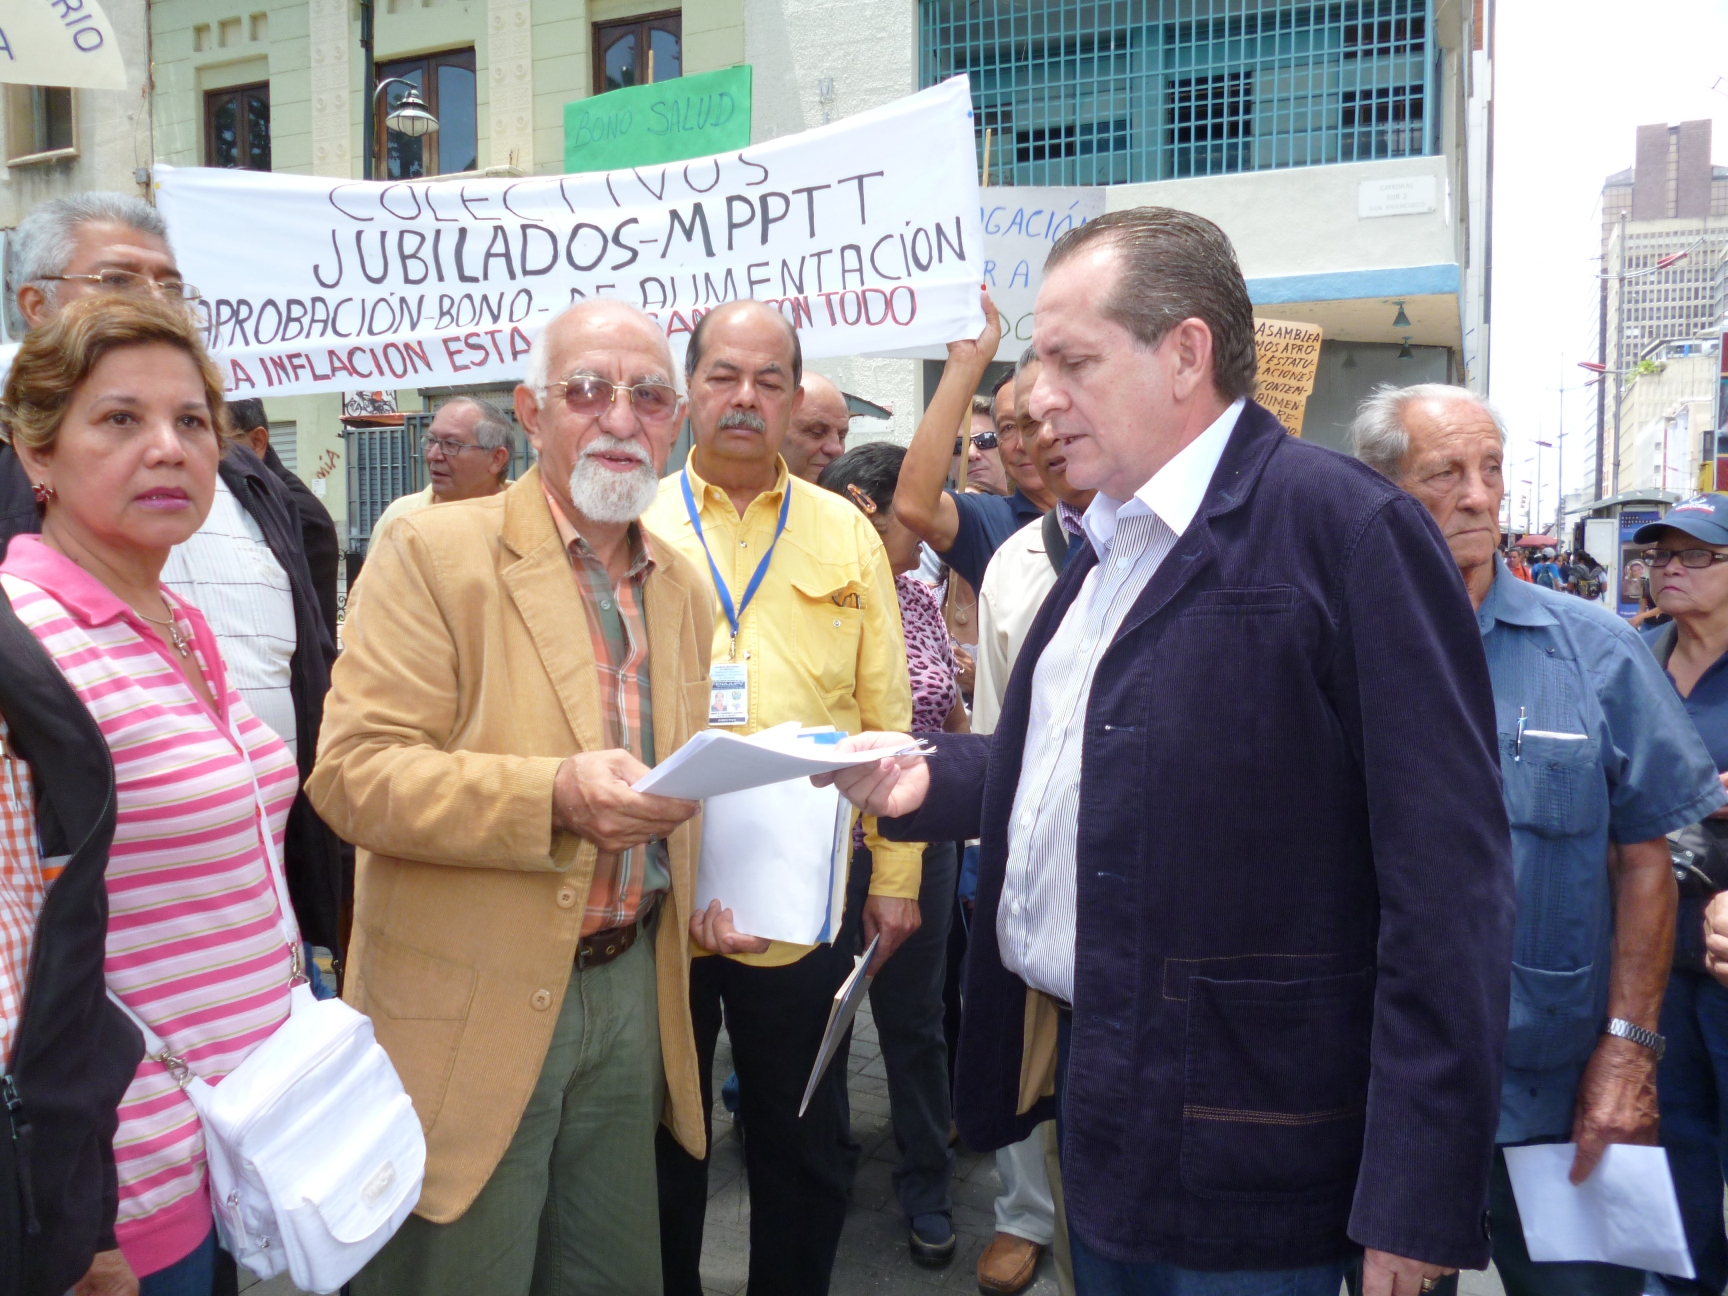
{"points": [[1343, 147], [59, 141], [1670, 206]]}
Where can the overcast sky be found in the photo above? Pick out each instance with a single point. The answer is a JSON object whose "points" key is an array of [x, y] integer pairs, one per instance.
{"points": [[1572, 82]]}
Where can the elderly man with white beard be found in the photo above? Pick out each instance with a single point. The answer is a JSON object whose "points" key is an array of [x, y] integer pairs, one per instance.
{"points": [[523, 919]]}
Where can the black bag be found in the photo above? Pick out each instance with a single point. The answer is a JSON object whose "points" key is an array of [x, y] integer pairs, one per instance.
{"points": [[1700, 856]]}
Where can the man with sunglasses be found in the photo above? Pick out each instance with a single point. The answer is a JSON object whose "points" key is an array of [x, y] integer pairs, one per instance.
{"points": [[983, 470], [522, 918], [467, 453], [1598, 762]]}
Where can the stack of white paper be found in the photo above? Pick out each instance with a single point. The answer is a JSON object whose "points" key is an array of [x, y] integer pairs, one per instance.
{"points": [[775, 849], [715, 762], [776, 856], [1625, 1213]]}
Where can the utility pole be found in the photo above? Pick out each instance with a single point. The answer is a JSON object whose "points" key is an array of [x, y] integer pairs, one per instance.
{"points": [[1619, 347], [1560, 459], [369, 79]]}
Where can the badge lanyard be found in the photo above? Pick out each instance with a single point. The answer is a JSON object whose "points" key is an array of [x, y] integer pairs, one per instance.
{"points": [[734, 614]]}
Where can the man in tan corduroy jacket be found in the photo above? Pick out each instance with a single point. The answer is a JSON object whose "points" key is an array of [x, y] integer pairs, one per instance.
{"points": [[522, 919]]}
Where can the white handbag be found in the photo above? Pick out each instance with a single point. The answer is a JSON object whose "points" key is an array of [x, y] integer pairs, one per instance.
{"points": [[314, 1152]]}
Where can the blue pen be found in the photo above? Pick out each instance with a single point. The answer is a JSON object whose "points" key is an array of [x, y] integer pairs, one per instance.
{"points": [[1518, 738]]}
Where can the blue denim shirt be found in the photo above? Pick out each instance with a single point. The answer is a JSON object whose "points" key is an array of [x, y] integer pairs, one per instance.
{"points": [[1606, 751], [1707, 703]]}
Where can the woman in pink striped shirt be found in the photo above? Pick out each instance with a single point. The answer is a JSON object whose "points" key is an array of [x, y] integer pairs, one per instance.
{"points": [[116, 413]]}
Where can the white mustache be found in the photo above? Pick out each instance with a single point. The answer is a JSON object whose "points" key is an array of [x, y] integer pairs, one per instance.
{"points": [[606, 443]]}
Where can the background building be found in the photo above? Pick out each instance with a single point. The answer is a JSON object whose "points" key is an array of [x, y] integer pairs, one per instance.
{"points": [[1343, 147], [1672, 202], [59, 141]]}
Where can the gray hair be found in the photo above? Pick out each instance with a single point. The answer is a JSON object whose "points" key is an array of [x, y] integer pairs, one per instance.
{"points": [[1378, 431], [42, 243], [537, 377], [1028, 358], [492, 428]]}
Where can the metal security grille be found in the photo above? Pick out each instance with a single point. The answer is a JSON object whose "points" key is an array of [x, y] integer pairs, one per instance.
{"points": [[1121, 91], [385, 462]]}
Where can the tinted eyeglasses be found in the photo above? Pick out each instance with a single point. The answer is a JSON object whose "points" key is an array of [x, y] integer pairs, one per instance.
{"points": [[589, 396], [1694, 558], [983, 440]]}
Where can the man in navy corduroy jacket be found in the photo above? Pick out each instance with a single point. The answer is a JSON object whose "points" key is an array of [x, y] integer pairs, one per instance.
{"points": [[1245, 901]]}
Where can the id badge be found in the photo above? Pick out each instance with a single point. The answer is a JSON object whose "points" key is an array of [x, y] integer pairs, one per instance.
{"points": [[729, 703]]}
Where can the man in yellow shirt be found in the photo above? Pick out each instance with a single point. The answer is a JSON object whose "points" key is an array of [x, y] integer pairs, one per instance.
{"points": [[807, 628]]}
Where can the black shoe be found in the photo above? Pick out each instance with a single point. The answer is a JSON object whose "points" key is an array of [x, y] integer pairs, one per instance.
{"points": [[932, 1240]]}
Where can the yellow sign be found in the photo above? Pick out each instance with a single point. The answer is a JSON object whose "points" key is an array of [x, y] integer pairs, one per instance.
{"points": [[1289, 355]]}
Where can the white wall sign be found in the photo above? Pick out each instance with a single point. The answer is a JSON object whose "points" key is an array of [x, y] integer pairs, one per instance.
{"points": [[864, 234], [1406, 196]]}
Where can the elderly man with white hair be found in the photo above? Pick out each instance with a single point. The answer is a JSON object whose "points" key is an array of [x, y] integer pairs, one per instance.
{"points": [[522, 918], [1598, 763]]}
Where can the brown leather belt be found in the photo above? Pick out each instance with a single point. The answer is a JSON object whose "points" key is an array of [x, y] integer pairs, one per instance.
{"points": [[604, 946]]}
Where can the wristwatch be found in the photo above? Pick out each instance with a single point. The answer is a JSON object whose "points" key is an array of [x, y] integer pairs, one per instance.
{"points": [[1623, 1029]]}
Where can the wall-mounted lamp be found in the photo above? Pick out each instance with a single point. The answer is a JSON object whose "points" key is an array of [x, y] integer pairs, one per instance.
{"points": [[1404, 352], [1402, 321], [1349, 358]]}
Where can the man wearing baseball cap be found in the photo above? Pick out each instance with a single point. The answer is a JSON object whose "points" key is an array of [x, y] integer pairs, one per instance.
{"points": [[1687, 560]]}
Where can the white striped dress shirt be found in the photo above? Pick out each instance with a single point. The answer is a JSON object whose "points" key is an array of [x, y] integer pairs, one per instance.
{"points": [[1035, 923], [226, 571]]}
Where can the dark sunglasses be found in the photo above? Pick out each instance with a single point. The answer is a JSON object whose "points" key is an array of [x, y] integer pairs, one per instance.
{"points": [[984, 441], [589, 396], [1694, 558]]}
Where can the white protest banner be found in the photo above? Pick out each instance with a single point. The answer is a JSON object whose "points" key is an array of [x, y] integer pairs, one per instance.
{"points": [[863, 233], [1020, 225], [59, 43]]}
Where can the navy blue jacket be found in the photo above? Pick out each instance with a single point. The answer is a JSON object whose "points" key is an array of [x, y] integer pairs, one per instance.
{"points": [[1295, 899]]}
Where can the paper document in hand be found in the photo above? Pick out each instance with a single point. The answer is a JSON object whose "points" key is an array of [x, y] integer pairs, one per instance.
{"points": [[1625, 1213], [715, 762], [846, 1001], [776, 857]]}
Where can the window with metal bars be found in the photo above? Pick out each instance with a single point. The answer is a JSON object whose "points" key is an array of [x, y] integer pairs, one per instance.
{"points": [[1079, 92], [1209, 118], [1383, 122]]}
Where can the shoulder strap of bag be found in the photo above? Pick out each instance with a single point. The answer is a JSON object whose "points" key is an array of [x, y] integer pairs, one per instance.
{"points": [[1055, 541], [155, 1045]]}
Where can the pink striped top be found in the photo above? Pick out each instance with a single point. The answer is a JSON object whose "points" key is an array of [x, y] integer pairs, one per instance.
{"points": [[195, 945]]}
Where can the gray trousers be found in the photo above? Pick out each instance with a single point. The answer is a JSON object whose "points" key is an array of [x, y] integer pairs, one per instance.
{"points": [[906, 1001]]}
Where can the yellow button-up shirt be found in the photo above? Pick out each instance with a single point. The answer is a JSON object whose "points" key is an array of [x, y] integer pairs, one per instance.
{"points": [[821, 640]]}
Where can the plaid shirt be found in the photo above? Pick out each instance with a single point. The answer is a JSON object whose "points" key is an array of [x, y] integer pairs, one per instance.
{"points": [[24, 879], [623, 884]]}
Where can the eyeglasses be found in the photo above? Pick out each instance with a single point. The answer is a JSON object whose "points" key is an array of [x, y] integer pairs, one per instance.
{"points": [[1694, 558], [449, 445], [983, 440], [130, 281], [589, 396]]}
